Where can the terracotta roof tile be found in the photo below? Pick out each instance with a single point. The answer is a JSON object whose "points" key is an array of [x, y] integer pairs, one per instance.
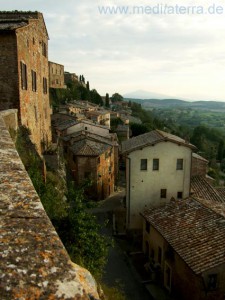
{"points": [[221, 191], [150, 138], [201, 188], [196, 232], [87, 147]]}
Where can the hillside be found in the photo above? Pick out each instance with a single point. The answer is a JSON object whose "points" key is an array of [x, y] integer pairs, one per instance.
{"points": [[177, 103]]}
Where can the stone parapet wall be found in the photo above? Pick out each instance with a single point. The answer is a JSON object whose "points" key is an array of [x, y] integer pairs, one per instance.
{"points": [[34, 263]]}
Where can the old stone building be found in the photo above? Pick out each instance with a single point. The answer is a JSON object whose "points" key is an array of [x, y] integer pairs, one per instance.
{"points": [[92, 157], [56, 75], [24, 72], [70, 77]]}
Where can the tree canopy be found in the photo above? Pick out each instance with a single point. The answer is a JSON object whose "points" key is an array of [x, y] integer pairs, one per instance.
{"points": [[116, 97]]}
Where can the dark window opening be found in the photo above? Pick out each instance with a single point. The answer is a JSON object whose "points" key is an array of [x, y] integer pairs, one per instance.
{"points": [[179, 195], [180, 164], [155, 166], [44, 49], [23, 70], [34, 80], [45, 85], [144, 164], [163, 193]]}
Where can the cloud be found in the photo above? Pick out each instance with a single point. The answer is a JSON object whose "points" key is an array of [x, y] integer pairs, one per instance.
{"points": [[162, 53]]}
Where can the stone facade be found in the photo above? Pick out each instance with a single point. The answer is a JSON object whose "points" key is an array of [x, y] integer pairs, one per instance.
{"points": [[68, 77], [94, 160], [24, 72], [56, 75]]}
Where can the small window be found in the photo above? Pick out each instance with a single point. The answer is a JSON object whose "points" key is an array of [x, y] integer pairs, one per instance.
{"points": [[35, 113], [180, 164], [98, 160], [34, 80], [23, 70], [85, 128], [212, 282], [147, 227], [179, 195], [155, 165], [45, 86], [44, 49], [144, 163], [163, 193]]}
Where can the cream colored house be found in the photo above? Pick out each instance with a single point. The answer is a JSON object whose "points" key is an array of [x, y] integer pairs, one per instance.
{"points": [[158, 167]]}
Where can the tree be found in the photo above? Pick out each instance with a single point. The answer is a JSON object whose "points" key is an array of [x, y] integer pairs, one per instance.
{"points": [[138, 129], [95, 97], [79, 232], [88, 86], [220, 153], [116, 97], [107, 100]]}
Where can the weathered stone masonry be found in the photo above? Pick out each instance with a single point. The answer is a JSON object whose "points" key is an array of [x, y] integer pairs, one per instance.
{"points": [[24, 72], [34, 263]]}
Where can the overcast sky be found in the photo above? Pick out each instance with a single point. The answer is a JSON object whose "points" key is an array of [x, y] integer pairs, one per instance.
{"points": [[172, 53]]}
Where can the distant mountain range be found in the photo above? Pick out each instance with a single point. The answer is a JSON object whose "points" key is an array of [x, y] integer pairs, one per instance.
{"points": [[140, 94], [153, 100]]}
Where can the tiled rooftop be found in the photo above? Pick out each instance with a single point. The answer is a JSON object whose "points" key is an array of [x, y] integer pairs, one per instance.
{"points": [[151, 138], [110, 139], [62, 124], [195, 231], [34, 263], [221, 192], [86, 147], [11, 24], [203, 190]]}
